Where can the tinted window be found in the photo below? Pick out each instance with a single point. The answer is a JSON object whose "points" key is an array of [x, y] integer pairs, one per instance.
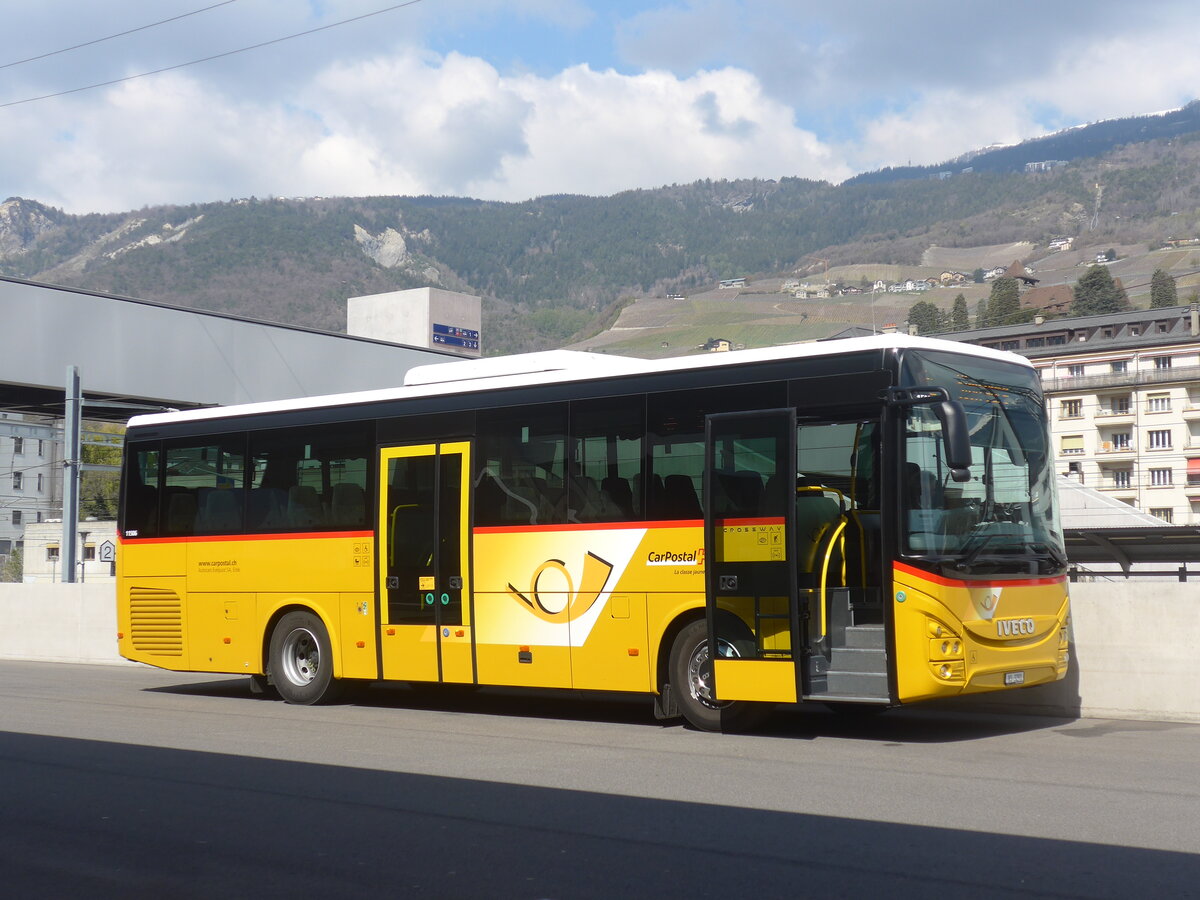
{"points": [[675, 434], [140, 510], [203, 486], [310, 478], [520, 474], [605, 481]]}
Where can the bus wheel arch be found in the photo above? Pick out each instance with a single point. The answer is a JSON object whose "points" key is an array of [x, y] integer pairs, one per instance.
{"points": [[300, 663], [688, 674]]}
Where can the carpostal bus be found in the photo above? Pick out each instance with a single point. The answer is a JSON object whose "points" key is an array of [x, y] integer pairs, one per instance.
{"points": [[865, 523]]}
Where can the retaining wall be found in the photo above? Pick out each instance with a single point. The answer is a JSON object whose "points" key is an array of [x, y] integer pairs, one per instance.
{"points": [[1135, 646]]}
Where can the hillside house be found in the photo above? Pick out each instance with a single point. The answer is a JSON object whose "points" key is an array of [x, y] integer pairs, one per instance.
{"points": [[1053, 298], [1018, 271]]}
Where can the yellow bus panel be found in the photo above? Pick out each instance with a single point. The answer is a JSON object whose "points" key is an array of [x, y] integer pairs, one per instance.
{"points": [[957, 637]]}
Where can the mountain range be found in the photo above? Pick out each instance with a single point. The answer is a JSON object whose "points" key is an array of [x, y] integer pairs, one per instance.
{"points": [[560, 268]]}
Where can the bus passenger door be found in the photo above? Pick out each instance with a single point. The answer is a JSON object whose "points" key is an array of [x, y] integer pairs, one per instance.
{"points": [[753, 627], [424, 589]]}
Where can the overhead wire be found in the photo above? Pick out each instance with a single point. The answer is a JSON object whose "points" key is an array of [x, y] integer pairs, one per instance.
{"points": [[101, 40], [194, 62]]}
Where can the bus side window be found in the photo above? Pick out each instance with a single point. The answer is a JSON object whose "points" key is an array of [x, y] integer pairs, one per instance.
{"points": [[521, 453], [310, 479], [203, 486], [675, 423], [606, 458], [140, 512]]}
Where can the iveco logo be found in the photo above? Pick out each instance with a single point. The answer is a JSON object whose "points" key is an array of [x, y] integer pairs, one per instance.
{"points": [[1014, 627]]}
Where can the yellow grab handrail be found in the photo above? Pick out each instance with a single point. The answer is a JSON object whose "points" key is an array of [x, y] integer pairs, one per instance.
{"points": [[825, 571]]}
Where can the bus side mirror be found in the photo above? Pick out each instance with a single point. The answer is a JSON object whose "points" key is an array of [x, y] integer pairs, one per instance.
{"points": [[954, 433]]}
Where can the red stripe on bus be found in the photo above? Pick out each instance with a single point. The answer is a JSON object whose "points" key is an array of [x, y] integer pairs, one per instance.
{"points": [[282, 536], [586, 526], [957, 582]]}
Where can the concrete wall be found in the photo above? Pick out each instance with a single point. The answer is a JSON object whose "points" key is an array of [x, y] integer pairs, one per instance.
{"points": [[1134, 646], [1135, 655], [59, 622]]}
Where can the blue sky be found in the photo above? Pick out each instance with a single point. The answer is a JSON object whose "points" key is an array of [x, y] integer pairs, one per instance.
{"points": [[509, 99]]}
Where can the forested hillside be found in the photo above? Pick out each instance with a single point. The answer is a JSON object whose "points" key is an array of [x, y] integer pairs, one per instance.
{"points": [[559, 266]]}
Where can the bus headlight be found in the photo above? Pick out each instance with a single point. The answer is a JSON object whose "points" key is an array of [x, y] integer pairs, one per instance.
{"points": [[946, 648]]}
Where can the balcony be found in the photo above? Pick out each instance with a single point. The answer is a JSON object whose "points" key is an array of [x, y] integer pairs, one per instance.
{"points": [[1117, 415], [1191, 411], [1121, 379]]}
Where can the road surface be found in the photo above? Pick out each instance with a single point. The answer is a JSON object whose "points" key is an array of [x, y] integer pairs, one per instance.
{"points": [[132, 782]]}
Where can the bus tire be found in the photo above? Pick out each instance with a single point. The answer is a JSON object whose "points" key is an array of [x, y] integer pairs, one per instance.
{"points": [[691, 680], [301, 659]]}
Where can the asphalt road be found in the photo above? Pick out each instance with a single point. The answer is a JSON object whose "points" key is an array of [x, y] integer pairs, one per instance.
{"points": [[133, 782]]}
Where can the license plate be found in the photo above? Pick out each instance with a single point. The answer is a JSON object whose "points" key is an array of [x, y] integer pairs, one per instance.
{"points": [[1014, 677]]}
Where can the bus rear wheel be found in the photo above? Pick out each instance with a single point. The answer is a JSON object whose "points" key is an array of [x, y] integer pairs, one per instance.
{"points": [[301, 660], [692, 679]]}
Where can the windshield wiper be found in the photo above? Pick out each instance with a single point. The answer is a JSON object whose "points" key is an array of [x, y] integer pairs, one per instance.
{"points": [[969, 560], [1051, 552]]}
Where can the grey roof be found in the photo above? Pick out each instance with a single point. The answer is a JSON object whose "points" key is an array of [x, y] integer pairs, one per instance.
{"points": [[1092, 327]]}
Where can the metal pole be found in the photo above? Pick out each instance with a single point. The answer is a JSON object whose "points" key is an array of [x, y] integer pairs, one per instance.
{"points": [[71, 449], [83, 536]]}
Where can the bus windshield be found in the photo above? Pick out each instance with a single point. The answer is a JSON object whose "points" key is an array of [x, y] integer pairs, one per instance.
{"points": [[1003, 520]]}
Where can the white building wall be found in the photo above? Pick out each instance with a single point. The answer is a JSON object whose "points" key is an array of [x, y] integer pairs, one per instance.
{"points": [[37, 465], [411, 317], [43, 552], [1137, 442]]}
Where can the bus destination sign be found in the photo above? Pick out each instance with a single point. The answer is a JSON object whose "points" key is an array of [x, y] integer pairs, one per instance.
{"points": [[451, 336]]}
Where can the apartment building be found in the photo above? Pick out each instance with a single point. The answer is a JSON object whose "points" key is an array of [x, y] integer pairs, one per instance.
{"points": [[1123, 392], [30, 480]]}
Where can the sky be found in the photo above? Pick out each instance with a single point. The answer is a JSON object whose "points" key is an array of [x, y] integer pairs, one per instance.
{"points": [[512, 99]]}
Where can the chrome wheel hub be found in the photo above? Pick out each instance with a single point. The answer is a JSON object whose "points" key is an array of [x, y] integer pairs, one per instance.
{"points": [[301, 657], [700, 672]]}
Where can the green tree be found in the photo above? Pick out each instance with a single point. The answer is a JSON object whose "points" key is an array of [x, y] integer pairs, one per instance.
{"points": [[981, 314], [1004, 304], [1110, 254], [977, 276], [927, 317], [1162, 290], [14, 567], [959, 318], [1096, 293]]}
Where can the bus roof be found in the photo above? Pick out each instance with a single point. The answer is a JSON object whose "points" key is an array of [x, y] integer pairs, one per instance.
{"points": [[556, 366]]}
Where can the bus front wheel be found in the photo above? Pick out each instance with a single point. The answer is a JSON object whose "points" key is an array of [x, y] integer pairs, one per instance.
{"points": [[301, 659], [692, 679]]}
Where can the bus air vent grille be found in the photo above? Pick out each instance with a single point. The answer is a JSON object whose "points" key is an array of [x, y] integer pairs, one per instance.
{"points": [[156, 621]]}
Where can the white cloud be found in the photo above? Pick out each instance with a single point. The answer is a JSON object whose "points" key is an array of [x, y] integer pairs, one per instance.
{"points": [[601, 132], [412, 124], [716, 89]]}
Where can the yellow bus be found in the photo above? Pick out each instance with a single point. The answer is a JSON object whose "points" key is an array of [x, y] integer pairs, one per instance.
{"points": [[864, 523]]}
